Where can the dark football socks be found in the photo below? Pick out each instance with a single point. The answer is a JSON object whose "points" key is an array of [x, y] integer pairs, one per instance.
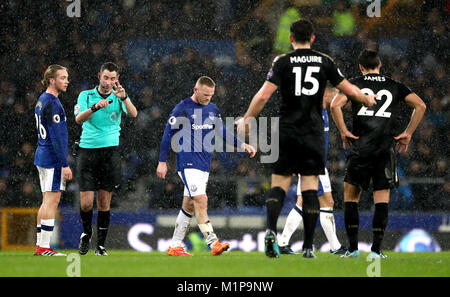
{"points": [[351, 220], [311, 211], [102, 226], [274, 203], [379, 223], [86, 219]]}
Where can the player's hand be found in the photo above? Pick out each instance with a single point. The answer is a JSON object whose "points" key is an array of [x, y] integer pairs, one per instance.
{"points": [[347, 139], [249, 149], [370, 100], [119, 91], [242, 127], [67, 173], [102, 104], [161, 170], [402, 142]]}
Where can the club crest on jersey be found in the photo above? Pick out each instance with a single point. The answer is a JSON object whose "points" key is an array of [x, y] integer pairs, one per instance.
{"points": [[270, 74], [56, 118], [212, 116]]}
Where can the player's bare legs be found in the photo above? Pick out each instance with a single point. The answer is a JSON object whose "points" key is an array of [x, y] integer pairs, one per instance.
{"points": [[46, 218], [201, 214], [182, 223], [352, 194]]}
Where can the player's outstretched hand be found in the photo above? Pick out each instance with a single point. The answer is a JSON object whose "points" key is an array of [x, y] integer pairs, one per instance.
{"points": [[249, 149], [161, 170], [402, 142], [67, 173], [347, 139]]}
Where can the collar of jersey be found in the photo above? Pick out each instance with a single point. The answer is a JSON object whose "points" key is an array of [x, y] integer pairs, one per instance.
{"points": [[98, 94]]}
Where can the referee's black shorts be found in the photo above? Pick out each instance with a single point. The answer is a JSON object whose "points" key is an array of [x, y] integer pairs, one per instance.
{"points": [[99, 169], [303, 155], [381, 170]]}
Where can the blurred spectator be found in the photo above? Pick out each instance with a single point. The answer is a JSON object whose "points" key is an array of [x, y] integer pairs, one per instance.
{"points": [[282, 44], [344, 22]]}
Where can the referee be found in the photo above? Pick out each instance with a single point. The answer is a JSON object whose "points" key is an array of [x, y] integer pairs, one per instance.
{"points": [[99, 110]]}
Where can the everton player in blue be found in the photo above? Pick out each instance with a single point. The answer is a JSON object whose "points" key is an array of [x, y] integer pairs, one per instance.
{"points": [[51, 154], [189, 131]]}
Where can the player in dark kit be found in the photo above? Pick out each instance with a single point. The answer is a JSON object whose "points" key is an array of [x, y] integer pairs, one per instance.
{"points": [[371, 143], [301, 77]]}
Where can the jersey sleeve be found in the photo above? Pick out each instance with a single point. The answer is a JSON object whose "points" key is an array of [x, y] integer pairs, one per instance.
{"points": [[226, 135], [172, 126], [57, 128], [334, 75], [82, 104], [403, 91], [274, 74]]}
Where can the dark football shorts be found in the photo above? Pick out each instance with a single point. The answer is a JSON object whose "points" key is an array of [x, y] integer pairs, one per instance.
{"points": [[381, 170], [99, 169], [303, 155]]}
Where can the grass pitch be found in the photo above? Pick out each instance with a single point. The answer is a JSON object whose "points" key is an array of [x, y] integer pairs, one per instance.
{"points": [[126, 263]]}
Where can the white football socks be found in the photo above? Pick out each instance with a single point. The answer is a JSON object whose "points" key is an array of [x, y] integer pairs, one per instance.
{"points": [[181, 227], [293, 220], [38, 234], [46, 232], [329, 227]]}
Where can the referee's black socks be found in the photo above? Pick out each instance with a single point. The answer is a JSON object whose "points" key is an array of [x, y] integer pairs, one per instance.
{"points": [[351, 220], [86, 219], [103, 220], [274, 203], [311, 212], [379, 223]]}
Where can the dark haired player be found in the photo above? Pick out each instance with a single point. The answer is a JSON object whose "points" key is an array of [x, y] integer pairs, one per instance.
{"points": [[301, 77], [371, 143], [98, 163]]}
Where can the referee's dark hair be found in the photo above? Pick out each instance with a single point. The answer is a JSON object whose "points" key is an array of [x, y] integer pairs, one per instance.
{"points": [[302, 30], [369, 59], [110, 66]]}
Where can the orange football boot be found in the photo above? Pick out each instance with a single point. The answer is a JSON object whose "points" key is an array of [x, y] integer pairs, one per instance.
{"points": [[219, 248], [177, 251]]}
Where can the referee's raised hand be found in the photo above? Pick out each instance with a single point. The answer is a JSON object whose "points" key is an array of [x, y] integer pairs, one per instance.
{"points": [[119, 91]]}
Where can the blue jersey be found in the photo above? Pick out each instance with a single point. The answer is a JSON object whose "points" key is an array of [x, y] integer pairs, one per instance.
{"points": [[194, 127], [326, 125], [52, 132]]}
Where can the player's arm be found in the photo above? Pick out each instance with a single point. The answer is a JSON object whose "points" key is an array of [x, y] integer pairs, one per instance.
{"points": [[171, 128], [419, 110], [57, 130], [257, 104], [336, 112], [230, 138], [354, 93]]}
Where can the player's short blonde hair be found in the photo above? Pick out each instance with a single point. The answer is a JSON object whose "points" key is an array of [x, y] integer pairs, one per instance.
{"points": [[206, 81], [50, 72]]}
